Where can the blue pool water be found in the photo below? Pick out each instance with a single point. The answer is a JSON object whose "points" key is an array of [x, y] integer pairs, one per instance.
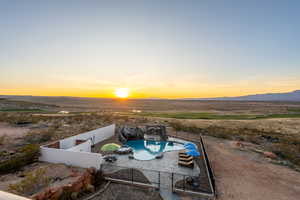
{"points": [[147, 150]]}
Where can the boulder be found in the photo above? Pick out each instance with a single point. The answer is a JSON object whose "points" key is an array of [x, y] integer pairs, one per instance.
{"points": [[270, 155], [130, 133], [153, 131], [237, 144], [83, 182]]}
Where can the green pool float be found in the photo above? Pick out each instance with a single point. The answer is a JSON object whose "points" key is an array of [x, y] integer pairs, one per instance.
{"points": [[110, 147]]}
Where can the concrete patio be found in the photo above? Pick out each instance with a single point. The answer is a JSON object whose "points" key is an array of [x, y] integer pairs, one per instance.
{"points": [[166, 166]]}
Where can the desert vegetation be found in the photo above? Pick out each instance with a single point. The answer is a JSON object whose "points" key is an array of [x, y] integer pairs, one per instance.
{"points": [[252, 122], [285, 146], [22, 157], [2, 139], [196, 115], [32, 182]]}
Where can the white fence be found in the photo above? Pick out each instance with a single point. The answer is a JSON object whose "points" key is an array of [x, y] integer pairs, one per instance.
{"points": [[96, 136], [74, 158], [86, 147], [78, 155]]}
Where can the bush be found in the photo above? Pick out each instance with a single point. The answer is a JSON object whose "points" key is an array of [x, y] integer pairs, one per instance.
{"points": [[2, 139], [28, 154], [32, 182], [18, 118], [39, 137], [288, 152]]}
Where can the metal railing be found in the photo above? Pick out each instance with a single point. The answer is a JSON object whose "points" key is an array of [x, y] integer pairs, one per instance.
{"points": [[174, 182], [208, 165], [139, 177], [166, 180]]}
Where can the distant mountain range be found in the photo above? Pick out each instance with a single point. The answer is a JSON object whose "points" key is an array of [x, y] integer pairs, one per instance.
{"points": [[288, 96]]}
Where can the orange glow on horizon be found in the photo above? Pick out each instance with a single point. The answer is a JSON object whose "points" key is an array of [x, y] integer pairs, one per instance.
{"points": [[155, 92]]}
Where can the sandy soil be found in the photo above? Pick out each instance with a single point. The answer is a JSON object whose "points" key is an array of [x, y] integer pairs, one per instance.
{"points": [[12, 132], [246, 175]]}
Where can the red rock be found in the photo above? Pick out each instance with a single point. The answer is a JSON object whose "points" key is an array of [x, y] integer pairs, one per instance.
{"points": [[237, 144], [270, 155], [56, 193], [84, 182]]}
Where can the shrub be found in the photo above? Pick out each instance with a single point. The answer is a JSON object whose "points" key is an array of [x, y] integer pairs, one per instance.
{"points": [[32, 182], [28, 154], [2, 139], [18, 118], [39, 137], [288, 152]]}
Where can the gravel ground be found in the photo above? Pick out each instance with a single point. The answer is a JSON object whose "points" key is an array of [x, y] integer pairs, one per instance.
{"points": [[247, 175]]}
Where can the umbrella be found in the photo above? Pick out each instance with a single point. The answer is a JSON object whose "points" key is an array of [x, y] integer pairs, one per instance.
{"points": [[190, 145], [190, 148], [193, 153], [110, 147]]}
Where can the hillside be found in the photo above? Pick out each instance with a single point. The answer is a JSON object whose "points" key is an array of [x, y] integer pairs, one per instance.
{"points": [[288, 96]]}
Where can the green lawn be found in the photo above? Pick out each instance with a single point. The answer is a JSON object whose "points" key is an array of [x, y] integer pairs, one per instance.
{"points": [[294, 110], [194, 115]]}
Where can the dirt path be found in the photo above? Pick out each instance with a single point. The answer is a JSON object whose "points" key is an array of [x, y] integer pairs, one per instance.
{"points": [[246, 175]]}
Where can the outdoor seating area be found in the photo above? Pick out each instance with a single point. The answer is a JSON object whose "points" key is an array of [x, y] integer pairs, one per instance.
{"points": [[186, 156], [110, 159], [166, 164]]}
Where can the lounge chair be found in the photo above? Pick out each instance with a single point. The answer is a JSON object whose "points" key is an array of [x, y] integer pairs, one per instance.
{"points": [[186, 158], [189, 164], [182, 151], [183, 155]]}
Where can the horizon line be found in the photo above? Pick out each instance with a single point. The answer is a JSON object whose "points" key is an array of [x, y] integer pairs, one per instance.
{"points": [[152, 98]]}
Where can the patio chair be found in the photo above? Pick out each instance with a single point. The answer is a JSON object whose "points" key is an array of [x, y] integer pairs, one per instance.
{"points": [[183, 155], [183, 151], [186, 158], [189, 164]]}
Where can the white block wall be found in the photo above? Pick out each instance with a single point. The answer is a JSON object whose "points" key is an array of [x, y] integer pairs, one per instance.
{"points": [[73, 158], [79, 155], [96, 136], [85, 147]]}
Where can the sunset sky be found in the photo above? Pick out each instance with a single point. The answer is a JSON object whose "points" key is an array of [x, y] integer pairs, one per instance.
{"points": [[155, 48]]}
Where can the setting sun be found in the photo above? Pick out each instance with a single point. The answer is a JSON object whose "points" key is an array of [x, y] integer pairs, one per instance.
{"points": [[122, 92]]}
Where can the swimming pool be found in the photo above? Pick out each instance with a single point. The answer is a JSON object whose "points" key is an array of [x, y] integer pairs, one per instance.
{"points": [[148, 150]]}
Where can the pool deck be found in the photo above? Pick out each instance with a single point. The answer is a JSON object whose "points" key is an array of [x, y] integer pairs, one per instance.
{"points": [[167, 164]]}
